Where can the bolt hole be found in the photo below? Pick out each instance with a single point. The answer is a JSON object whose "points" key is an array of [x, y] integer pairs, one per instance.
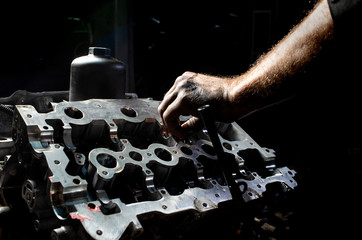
{"points": [[76, 181], [91, 205]]}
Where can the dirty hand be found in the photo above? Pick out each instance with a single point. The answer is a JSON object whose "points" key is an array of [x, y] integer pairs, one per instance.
{"points": [[189, 92]]}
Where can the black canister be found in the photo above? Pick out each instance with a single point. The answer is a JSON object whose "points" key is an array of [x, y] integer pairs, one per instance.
{"points": [[97, 75]]}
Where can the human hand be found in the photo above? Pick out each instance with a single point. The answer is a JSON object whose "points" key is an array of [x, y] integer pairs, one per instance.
{"points": [[189, 92]]}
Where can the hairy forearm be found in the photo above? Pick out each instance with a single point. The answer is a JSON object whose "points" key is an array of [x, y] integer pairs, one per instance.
{"points": [[259, 86]]}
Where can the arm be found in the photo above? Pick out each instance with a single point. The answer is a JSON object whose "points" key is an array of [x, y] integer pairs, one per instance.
{"points": [[259, 87]]}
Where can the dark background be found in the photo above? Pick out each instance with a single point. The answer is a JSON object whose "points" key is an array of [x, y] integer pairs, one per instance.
{"points": [[164, 38], [316, 133]]}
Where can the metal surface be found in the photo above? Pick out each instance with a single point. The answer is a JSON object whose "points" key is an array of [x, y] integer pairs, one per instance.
{"points": [[102, 164]]}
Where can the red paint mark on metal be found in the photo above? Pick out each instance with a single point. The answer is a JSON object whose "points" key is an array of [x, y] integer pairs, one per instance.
{"points": [[81, 218]]}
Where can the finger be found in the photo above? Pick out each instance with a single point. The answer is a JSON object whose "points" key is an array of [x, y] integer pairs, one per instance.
{"points": [[168, 100], [192, 124], [171, 117], [170, 96]]}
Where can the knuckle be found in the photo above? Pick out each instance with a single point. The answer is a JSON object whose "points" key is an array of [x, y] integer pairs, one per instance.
{"points": [[188, 74]]}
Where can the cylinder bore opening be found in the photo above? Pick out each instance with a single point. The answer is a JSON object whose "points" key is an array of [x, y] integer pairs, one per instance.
{"points": [[131, 186], [178, 178], [106, 160], [73, 112]]}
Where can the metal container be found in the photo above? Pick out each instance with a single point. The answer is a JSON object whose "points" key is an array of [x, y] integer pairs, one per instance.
{"points": [[97, 76]]}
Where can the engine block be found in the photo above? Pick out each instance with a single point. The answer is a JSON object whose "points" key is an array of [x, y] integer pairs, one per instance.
{"points": [[100, 164]]}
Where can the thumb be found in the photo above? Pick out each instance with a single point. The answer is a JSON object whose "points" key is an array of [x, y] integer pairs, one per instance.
{"points": [[192, 124]]}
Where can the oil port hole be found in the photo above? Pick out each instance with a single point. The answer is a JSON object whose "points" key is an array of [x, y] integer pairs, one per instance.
{"points": [[135, 156], [227, 146], [106, 160], [129, 112], [208, 149], [73, 112], [186, 150], [163, 154]]}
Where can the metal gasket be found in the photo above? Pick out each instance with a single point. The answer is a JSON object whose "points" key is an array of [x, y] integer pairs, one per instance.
{"points": [[109, 162]]}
